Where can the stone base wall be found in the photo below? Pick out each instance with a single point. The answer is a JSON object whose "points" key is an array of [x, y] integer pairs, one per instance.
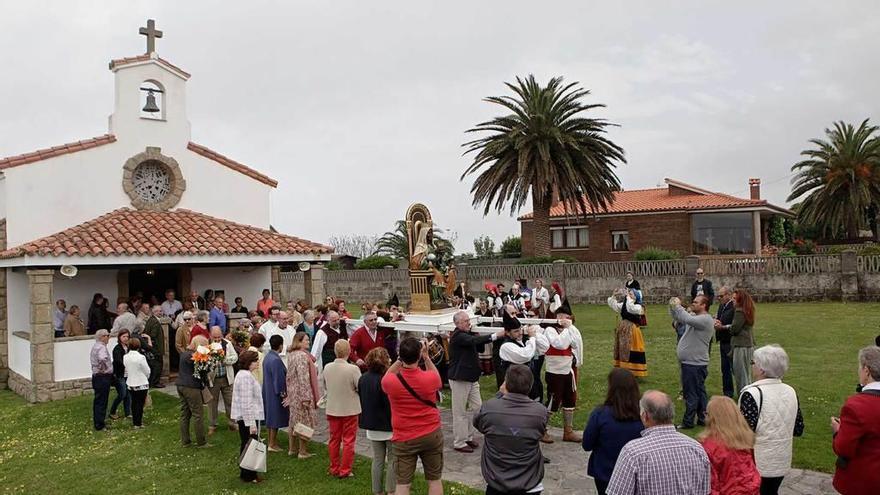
{"points": [[22, 386], [46, 392]]}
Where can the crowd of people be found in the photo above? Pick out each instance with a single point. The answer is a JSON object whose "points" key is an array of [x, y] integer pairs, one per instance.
{"points": [[280, 366]]}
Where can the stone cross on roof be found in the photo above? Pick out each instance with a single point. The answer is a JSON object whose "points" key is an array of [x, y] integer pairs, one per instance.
{"points": [[151, 33]]}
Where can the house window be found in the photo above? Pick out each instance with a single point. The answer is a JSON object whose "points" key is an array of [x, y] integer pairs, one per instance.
{"points": [[722, 233], [620, 240], [557, 239], [570, 237]]}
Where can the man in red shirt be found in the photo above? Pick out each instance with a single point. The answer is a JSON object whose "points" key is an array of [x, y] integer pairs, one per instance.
{"points": [[413, 397], [365, 339]]}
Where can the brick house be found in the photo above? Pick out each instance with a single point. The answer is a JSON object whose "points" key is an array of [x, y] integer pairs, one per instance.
{"points": [[680, 216]]}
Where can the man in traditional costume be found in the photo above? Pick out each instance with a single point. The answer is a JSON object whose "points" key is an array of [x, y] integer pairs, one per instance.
{"points": [[323, 349], [629, 344], [519, 349], [540, 299], [564, 356]]}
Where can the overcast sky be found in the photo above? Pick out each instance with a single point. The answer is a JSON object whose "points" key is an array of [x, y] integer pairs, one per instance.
{"points": [[359, 108]]}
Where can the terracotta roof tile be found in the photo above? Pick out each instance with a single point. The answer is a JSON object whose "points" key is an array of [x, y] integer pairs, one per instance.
{"points": [[119, 62], [179, 232], [35, 156], [234, 165], [659, 200]]}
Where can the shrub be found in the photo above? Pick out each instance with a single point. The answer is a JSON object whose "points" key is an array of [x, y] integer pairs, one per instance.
{"points": [[375, 262], [785, 253], [541, 260], [652, 253], [333, 265], [512, 246], [803, 246], [870, 250]]}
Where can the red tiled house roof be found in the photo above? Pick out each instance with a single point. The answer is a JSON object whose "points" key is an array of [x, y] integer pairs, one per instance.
{"points": [[684, 198], [127, 232]]}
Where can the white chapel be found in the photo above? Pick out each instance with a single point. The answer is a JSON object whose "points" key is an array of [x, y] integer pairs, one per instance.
{"points": [[161, 212]]}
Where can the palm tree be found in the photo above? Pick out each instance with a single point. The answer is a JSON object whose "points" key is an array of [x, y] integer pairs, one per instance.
{"points": [[840, 178], [396, 243], [547, 147]]}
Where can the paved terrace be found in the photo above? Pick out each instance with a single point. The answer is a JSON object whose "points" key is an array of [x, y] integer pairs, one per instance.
{"points": [[567, 471]]}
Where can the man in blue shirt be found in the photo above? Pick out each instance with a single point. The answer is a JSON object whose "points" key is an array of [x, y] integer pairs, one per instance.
{"points": [[217, 317]]}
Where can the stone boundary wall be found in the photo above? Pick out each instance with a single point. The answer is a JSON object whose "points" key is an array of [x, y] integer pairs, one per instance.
{"points": [[843, 277]]}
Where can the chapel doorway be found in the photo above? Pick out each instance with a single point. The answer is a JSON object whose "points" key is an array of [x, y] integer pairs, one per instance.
{"points": [[153, 282]]}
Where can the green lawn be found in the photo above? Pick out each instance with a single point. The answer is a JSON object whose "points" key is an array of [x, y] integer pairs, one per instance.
{"points": [[822, 340], [51, 448]]}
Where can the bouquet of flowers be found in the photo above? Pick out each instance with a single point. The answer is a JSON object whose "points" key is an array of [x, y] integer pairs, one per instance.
{"points": [[203, 364], [216, 353]]}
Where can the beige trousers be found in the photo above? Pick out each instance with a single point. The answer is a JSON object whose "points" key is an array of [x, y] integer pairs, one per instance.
{"points": [[466, 400]]}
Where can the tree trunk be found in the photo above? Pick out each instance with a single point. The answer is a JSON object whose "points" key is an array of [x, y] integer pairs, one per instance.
{"points": [[541, 224]]}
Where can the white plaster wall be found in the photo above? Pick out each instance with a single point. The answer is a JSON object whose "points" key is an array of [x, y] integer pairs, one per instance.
{"points": [[72, 358], [20, 356], [66, 185], [18, 301], [80, 289], [2, 196], [236, 281]]}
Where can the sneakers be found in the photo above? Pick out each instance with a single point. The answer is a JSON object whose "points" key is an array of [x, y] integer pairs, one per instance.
{"points": [[684, 427], [467, 449]]}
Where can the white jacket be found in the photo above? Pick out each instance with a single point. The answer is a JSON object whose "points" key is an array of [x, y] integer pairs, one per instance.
{"points": [[229, 359], [137, 369], [775, 430]]}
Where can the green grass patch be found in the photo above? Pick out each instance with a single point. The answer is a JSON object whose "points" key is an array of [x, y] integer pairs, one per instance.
{"points": [[822, 340], [52, 448]]}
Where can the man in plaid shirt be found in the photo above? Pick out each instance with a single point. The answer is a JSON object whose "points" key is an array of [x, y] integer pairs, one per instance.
{"points": [[663, 461]]}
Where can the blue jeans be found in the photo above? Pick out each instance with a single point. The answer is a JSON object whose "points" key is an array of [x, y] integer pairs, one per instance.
{"points": [[101, 385], [726, 351], [122, 397], [693, 380]]}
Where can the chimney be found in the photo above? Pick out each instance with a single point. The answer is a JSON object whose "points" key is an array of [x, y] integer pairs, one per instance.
{"points": [[755, 188]]}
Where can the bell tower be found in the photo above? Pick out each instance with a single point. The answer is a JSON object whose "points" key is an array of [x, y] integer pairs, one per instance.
{"points": [[150, 98]]}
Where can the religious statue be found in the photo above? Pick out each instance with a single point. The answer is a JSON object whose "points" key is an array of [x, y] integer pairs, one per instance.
{"points": [[430, 279]]}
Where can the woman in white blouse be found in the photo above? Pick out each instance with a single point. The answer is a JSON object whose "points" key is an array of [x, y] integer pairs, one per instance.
{"points": [[247, 406], [138, 372]]}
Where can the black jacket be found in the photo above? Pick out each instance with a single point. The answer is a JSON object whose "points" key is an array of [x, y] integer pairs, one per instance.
{"points": [[708, 291], [375, 408], [118, 366], [464, 360], [186, 372], [513, 425], [725, 315]]}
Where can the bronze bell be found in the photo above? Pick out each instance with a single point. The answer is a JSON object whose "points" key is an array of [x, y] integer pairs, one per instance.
{"points": [[151, 106]]}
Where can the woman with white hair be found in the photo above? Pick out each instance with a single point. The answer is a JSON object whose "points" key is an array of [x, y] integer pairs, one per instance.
{"points": [[772, 410]]}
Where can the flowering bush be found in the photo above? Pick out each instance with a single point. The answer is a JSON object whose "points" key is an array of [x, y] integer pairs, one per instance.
{"points": [[241, 337]]}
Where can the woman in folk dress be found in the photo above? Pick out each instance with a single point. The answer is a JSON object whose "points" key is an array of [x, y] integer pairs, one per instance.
{"points": [[629, 344]]}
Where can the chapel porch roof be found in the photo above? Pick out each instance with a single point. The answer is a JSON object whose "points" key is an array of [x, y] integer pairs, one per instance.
{"points": [[128, 236]]}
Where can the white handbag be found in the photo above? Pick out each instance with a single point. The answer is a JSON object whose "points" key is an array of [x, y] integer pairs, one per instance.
{"points": [[303, 431], [253, 458]]}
